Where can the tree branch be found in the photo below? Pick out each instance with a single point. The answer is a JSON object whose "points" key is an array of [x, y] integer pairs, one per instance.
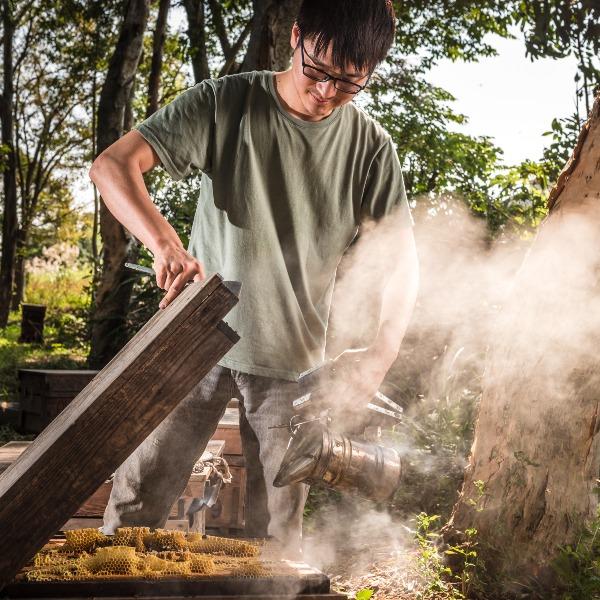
{"points": [[229, 62], [219, 25]]}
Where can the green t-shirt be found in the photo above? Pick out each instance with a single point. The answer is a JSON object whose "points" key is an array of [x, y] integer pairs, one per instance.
{"points": [[280, 202]]}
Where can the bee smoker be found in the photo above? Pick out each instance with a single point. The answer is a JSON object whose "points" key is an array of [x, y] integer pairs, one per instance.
{"points": [[318, 453]]}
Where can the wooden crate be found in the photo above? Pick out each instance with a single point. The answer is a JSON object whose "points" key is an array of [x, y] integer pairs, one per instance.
{"points": [[229, 430], [228, 513], [91, 512], [44, 393]]}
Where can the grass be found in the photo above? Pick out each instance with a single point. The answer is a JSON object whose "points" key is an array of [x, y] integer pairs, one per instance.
{"points": [[578, 564], [52, 354], [67, 289], [65, 345]]}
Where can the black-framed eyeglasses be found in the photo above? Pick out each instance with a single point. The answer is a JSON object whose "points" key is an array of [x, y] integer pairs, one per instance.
{"points": [[343, 85]]}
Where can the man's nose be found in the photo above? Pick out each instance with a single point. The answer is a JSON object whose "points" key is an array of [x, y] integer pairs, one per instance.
{"points": [[326, 88]]}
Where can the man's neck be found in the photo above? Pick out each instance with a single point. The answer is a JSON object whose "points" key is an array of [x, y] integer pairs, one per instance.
{"points": [[288, 96]]}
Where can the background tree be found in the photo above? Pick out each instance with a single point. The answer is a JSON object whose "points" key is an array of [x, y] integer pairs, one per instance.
{"points": [[9, 163], [113, 293]]}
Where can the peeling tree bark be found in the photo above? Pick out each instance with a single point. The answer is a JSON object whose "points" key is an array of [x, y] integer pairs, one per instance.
{"points": [[114, 290], [537, 439]]}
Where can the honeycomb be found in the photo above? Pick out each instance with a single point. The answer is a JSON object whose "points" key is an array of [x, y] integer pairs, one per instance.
{"points": [[162, 539], [138, 552], [202, 564], [79, 540], [112, 560], [131, 536], [214, 545], [252, 568]]}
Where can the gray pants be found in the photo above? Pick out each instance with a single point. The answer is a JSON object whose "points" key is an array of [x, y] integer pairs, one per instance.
{"points": [[149, 482]]}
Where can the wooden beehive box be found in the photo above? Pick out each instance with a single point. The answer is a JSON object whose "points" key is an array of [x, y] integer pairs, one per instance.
{"points": [[44, 393], [90, 513]]}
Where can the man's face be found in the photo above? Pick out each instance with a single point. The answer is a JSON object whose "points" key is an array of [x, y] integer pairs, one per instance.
{"points": [[320, 98]]}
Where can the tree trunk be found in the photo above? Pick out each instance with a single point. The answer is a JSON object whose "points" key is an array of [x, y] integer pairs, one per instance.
{"points": [[269, 44], [197, 35], [158, 43], [19, 271], [537, 439], [9, 222], [112, 297]]}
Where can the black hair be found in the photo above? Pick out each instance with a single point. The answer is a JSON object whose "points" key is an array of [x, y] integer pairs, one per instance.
{"points": [[361, 31]]}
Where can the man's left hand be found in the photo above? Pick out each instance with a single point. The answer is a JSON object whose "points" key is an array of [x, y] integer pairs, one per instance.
{"points": [[357, 376]]}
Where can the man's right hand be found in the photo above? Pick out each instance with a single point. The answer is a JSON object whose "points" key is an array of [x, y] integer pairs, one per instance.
{"points": [[174, 268]]}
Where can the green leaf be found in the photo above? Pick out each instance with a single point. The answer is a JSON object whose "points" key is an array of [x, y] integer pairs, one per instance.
{"points": [[364, 594]]}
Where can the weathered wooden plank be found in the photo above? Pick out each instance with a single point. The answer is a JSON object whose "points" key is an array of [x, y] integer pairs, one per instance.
{"points": [[110, 418]]}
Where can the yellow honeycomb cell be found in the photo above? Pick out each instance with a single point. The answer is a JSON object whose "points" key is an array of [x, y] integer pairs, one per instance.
{"points": [[78, 540], [131, 536], [113, 560], [162, 540], [202, 564], [155, 567], [252, 569], [51, 559], [215, 544], [138, 552]]}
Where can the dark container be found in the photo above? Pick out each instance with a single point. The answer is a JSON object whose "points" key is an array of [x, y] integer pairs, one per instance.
{"points": [[32, 323]]}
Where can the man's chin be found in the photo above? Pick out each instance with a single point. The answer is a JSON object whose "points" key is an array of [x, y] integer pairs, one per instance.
{"points": [[318, 109]]}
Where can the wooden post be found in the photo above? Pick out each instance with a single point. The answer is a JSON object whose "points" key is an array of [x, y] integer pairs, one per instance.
{"points": [[122, 405]]}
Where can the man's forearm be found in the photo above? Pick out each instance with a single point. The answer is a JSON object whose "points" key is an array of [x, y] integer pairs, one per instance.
{"points": [[121, 185], [398, 301]]}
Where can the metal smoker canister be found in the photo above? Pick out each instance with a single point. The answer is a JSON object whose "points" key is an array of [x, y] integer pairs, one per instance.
{"points": [[318, 454]]}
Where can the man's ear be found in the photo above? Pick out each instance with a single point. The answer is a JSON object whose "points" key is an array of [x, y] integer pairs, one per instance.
{"points": [[295, 37]]}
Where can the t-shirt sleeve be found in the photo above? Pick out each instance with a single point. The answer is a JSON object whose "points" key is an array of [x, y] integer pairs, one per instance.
{"points": [[384, 192], [181, 132]]}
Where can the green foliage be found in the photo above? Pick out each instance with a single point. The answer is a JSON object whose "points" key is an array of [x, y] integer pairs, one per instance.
{"points": [[563, 133], [562, 27], [420, 119], [555, 28], [456, 30], [517, 199], [578, 565], [52, 354], [441, 387], [8, 434], [321, 500], [439, 580], [364, 594], [64, 290]]}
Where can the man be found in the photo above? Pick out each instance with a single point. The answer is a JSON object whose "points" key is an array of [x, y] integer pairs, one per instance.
{"points": [[291, 169]]}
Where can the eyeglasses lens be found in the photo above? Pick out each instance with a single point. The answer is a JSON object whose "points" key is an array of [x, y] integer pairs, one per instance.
{"points": [[341, 85]]}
